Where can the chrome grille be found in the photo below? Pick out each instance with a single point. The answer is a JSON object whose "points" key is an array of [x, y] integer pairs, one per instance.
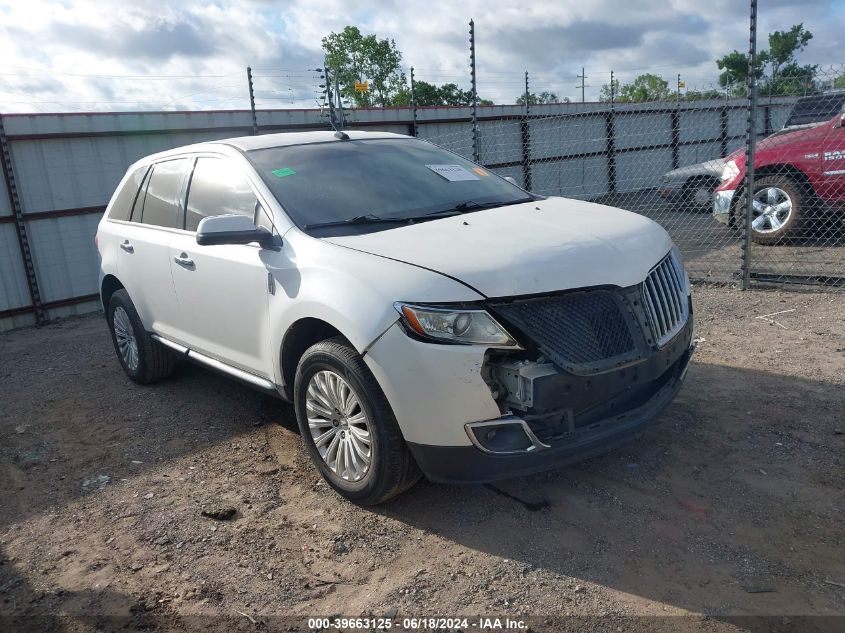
{"points": [[665, 299]]}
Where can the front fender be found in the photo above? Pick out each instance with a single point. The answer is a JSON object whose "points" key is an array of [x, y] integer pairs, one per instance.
{"points": [[354, 292]]}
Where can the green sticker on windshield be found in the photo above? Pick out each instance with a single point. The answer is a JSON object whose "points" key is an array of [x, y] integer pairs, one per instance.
{"points": [[284, 171]]}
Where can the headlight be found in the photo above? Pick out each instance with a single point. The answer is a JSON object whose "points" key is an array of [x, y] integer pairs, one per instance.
{"points": [[730, 171], [455, 326]]}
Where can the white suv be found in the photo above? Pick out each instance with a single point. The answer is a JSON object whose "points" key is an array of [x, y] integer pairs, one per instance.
{"points": [[424, 315]]}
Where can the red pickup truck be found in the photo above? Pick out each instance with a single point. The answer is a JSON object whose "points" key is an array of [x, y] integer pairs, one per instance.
{"points": [[799, 183]]}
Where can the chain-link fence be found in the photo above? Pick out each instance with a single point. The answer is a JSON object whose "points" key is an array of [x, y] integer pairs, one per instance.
{"points": [[681, 163]]}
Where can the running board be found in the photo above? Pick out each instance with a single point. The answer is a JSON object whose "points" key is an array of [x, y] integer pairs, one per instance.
{"points": [[213, 363]]}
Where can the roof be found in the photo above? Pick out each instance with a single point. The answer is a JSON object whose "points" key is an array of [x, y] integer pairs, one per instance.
{"points": [[263, 141]]}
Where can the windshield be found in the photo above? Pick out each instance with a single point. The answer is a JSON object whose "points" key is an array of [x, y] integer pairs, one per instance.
{"points": [[363, 181]]}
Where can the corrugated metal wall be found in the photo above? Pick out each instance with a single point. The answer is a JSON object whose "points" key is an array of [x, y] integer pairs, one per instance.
{"points": [[66, 167]]}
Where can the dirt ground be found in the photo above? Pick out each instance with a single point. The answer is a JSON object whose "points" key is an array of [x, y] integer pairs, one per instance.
{"points": [[727, 514]]}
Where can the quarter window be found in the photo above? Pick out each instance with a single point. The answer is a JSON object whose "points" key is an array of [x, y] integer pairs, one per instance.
{"points": [[121, 208], [161, 203], [217, 189]]}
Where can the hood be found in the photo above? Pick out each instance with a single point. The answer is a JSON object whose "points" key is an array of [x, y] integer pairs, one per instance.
{"points": [[793, 137], [535, 247], [712, 167]]}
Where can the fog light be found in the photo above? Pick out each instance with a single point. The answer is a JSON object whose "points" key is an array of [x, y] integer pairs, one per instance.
{"points": [[504, 436]]}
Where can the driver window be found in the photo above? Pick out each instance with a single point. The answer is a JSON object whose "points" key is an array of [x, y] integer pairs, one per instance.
{"points": [[217, 188]]}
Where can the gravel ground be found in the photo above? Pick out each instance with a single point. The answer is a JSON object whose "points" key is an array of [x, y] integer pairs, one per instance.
{"points": [[727, 514]]}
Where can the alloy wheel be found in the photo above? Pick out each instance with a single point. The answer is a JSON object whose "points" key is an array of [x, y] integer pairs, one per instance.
{"points": [[124, 334], [772, 208], [338, 425]]}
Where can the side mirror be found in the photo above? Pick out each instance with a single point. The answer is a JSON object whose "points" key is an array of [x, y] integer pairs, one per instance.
{"points": [[232, 229]]}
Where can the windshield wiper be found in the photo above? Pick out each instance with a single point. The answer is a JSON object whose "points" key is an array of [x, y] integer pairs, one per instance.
{"points": [[468, 206], [367, 218]]}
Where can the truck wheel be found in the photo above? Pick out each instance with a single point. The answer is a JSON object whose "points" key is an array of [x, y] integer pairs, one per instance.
{"points": [[697, 194], [348, 427], [777, 210], [143, 360]]}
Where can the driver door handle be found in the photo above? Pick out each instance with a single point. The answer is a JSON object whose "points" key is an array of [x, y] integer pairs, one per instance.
{"points": [[184, 260], [127, 246]]}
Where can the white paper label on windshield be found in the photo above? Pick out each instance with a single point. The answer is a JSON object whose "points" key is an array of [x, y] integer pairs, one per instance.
{"points": [[453, 173]]}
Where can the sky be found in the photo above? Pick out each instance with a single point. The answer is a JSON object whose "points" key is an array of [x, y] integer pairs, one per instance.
{"points": [[84, 55]]}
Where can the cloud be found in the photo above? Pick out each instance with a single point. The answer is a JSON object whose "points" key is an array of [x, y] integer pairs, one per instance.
{"points": [[87, 54]]}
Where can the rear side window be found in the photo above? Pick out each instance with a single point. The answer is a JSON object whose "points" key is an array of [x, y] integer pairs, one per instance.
{"points": [[161, 203], [121, 209], [816, 109], [217, 188]]}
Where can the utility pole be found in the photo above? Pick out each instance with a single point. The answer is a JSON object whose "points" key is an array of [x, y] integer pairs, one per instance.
{"points": [[251, 101], [678, 98], [583, 78], [475, 152]]}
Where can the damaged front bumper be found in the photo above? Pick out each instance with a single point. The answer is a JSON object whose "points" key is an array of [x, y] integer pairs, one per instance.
{"points": [[594, 366], [480, 464]]}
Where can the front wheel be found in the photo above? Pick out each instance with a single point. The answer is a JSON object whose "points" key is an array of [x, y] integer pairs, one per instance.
{"points": [[348, 427], [697, 194], [777, 210]]}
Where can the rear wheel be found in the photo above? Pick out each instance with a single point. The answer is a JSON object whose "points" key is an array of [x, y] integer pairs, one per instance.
{"points": [[348, 427], [142, 359]]}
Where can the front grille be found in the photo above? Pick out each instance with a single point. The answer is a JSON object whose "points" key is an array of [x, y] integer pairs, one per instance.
{"points": [[581, 332], [665, 300]]}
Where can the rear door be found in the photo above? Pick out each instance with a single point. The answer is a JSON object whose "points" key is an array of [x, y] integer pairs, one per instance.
{"points": [[222, 290], [143, 264]]}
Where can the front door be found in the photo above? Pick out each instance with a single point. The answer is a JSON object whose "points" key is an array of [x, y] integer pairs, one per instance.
{"points": [[833, 164], [222, 291]]}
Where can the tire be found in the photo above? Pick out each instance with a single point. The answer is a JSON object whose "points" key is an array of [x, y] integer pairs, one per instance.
{"points": [[148, 361], [325, 368], [697, 194], [770, 194]]}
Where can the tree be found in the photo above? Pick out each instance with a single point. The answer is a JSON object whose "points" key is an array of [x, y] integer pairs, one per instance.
{"points": [[352, 56], [427, 94], [610, 92], [839, 82], [785, 76], [534, 99], [647, 87]]}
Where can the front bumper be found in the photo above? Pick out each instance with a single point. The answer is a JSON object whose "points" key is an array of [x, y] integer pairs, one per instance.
{"points": [[722, 202], [469, 464]]}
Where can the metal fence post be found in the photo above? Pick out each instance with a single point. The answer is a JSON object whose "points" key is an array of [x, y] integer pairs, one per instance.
{"points": [[414, 130], [20, 226], [611, 142], [676, 135], [525, 131], [252, 101], [750, 147], [476, 155]]}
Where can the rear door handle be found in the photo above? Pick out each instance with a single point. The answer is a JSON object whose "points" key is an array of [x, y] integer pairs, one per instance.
{"points": [[127, 246], [184, 260]]}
